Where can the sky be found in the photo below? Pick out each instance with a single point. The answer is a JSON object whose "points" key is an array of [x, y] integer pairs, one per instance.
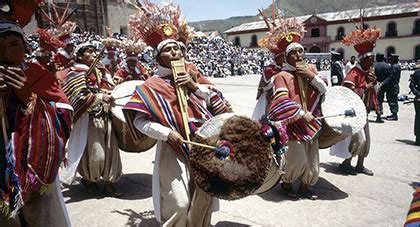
{"points": [[197, 10]]}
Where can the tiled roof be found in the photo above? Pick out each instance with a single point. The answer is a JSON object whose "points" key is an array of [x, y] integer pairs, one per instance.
{"points": [[342, 15]]}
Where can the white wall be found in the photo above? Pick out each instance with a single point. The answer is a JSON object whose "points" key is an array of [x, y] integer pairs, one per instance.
{"points": [[404, 47], [118, 15], [31, 26], [404, 26]]}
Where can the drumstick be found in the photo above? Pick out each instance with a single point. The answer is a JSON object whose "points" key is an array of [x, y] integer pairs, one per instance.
{"points": [[222, 150], [199, 144], [125, 96], [347, 113], [411, 101]]}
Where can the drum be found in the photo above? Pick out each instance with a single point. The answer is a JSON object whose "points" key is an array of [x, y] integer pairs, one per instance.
{"points": [[274, 174], [336, 101], [248, 165], [122, 94]]}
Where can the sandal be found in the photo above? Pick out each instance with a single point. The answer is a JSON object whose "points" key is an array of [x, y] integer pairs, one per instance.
{"points": [[288, 190], [90, 186], [308, 194], [111, 191], [364, 170], [347, 169]]}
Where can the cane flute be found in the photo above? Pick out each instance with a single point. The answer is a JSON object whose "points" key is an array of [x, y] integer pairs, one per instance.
{"points": [[95, 62], [302, 83], [178, 66], [3, 117]]}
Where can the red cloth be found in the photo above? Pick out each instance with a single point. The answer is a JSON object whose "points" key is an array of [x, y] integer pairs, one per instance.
{"points": [[123, 75], [356, 80], [43, 83], [60, 60]]}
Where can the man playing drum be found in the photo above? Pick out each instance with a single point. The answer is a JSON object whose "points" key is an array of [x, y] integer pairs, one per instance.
{"points": [[153, 110], [92, 147], [296, 93], [362, 80]]}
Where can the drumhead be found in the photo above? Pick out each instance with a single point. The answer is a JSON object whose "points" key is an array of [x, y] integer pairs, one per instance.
{"points": [[336, 101], [122, 94]]}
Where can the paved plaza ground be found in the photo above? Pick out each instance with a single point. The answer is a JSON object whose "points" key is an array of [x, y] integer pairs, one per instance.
{"points": [[379, 200]]}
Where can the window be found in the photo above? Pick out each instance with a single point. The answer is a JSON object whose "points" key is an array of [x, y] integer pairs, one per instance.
{"points": [[391, 29], [417, 53], [416, 29], [365, 26], [315, 32], [254, 41], [237, 41], [123, 30], [390, 50], [340, 33], [315, 49]]}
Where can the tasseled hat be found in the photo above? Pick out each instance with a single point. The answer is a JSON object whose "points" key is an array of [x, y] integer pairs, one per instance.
{"points": [[363, 39], [48, 41], [282, 32], [19, 11], [156, 24]]}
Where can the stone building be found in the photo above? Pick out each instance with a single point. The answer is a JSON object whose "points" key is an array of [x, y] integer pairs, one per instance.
{"points": [[92, 15]]}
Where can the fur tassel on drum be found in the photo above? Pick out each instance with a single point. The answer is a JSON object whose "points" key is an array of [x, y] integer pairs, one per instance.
{"points": [[246, 168]]}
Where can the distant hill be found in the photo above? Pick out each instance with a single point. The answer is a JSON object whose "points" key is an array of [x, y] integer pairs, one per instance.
{"points": [[295, 8]]}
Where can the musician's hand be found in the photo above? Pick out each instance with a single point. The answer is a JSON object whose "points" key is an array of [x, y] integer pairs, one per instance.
{"points": [[174, 138], [186, 79], [370, 85], [308, 117], [381, 86], [303, 71], [107, 98], [372, 78], [16, 79]]}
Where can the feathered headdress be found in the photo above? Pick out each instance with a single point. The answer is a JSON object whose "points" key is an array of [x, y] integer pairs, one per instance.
{"points": [[133, 49], [186, 33], [362, 39], [58, 35], [282, 32], [155, 23], [112, 44], [20, 11], [48, 41], [61, 27]]}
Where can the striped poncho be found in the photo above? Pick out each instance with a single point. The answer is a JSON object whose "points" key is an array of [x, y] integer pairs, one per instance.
{"points": [[83, 91], [156, 98], [285, 106]]}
